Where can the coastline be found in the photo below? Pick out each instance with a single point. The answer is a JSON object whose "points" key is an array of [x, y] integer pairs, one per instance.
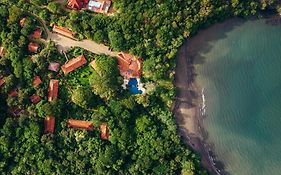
{"points": [[188, 103]]}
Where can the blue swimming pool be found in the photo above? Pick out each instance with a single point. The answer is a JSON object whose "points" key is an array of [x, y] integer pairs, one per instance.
{"points": [[133, 86]]}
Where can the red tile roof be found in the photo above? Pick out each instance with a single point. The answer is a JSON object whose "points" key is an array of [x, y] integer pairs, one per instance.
{"points": [[15, 110], [104, 131], [2, 51], [13, 93], [49, 123], [54, 66], [22, 22], [37, 33], [35, 99], [53, 90], [33, 47], [63, 31], [129, 65], [36, 81], [75, 4], [73, 64], [80, 124], [2, 81], [102, 8]]}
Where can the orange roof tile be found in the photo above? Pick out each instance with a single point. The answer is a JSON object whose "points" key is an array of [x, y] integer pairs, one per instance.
{"points": [[33, 47], [37, 33], [2, 81], [73, 64], [129, 65], [63, 31], [49, 123], [75, 4], [2, 51], [53, 90], [104, 131], [13, 93], [22, 22], [35, 99], [36, 81], [80, 124]]}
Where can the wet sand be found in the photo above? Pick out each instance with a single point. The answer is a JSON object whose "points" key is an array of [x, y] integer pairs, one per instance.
{"points": [[188, 103]]}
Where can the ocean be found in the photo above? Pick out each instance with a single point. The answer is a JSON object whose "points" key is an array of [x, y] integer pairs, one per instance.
{"points": [[238, 64]]}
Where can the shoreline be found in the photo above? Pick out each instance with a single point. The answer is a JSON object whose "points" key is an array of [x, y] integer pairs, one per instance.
{"points": [[188, 103]]}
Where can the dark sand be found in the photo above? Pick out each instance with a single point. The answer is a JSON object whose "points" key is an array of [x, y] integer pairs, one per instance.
{"points": [[187, 108]]}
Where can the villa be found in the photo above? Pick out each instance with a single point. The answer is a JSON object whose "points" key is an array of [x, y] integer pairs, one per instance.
{"points": [[54, 66], [33, 47], [64, 31], [104, 131], [13, 93], [99, 6], [73, 64], [37, 33], [2, 51], [53, 90], [77, 4], [80, 124], [36, 81], [49, 123], [35, 99]]}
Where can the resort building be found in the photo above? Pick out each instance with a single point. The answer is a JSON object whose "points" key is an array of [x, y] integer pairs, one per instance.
{"points": [[54, 66], [37, 33], [15, 111], [35, 99], [36, 81], [33, 47], [129, 65], [2, 82], [104, 131], [99, 6], [53, 90], [22, 22], [73, 64], [13, 93], [2, 51], [80, 124], [76, 4], [49, 123], [63, 31]]}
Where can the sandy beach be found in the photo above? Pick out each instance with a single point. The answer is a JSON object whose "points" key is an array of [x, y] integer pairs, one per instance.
{"points": [[189, 100]]}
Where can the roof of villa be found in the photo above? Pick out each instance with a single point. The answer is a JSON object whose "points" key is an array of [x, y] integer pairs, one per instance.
{"points": [[35, 99], [37, 33], [63, 31], [75, 4], [53, 90], [104, 131], [129, 65], [80, 124], [33, 47], [49, 123], [93, 64], [13, 93], [54, 66], [36, 81], [73, 64]]}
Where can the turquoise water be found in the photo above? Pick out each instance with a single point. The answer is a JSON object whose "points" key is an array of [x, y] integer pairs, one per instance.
{"points": [[239, 66]]}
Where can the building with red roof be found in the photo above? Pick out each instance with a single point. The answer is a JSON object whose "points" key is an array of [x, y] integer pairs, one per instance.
{"points": [[63, 31], [54, 66], [33, 47], [36, 81], [93, 64], [2, 51], [49, 123], [53, 90], [99, 6], [104, 131], [129, 65], [2, 82], [73, 64], [13, 93], [80, 124], [37, 33], [77, 4], [35, 99], [15, 110]]}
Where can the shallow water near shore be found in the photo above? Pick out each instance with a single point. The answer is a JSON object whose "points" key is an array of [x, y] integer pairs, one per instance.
{"points": [[238, 63]]}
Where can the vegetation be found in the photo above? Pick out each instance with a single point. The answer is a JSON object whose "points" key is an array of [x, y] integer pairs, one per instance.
{"points": [[143, 135]]}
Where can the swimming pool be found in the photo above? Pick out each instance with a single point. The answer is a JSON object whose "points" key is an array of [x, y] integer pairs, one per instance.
{"points": [[133, 86]]}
